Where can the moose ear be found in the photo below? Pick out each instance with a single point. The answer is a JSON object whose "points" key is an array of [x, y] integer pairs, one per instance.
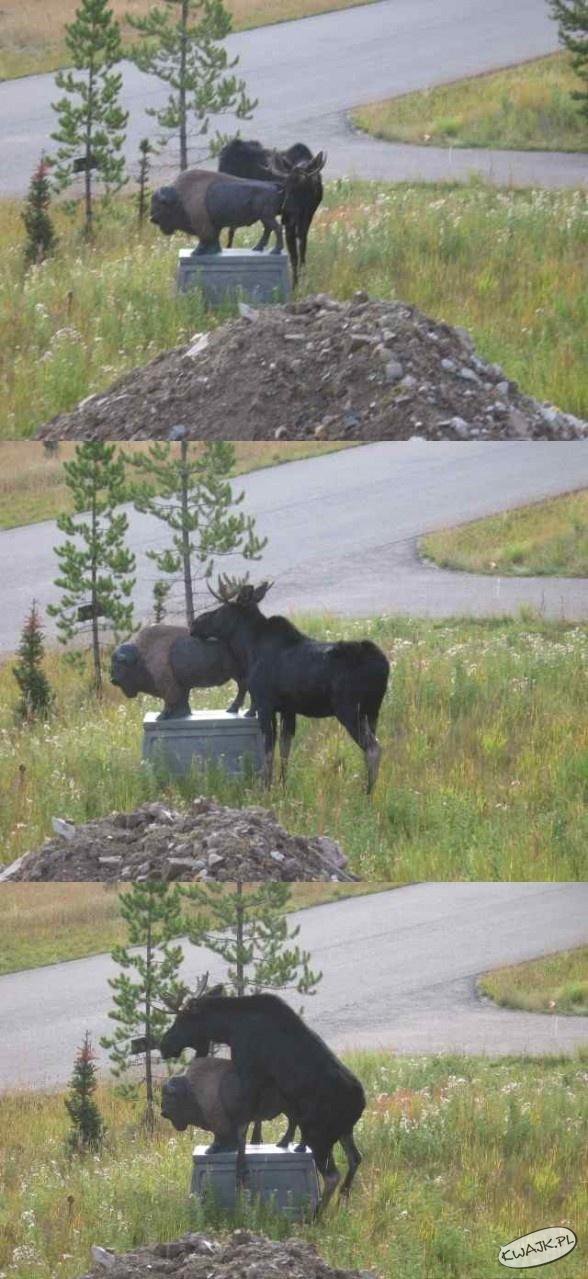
{"points": [[260, 591], [319, 162]]}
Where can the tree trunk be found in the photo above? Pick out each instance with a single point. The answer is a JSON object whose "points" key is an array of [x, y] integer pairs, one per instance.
{"points": [[240, 931], [89, 226], [95, 603], [186, 557], [182, 88], [149, 1111]]}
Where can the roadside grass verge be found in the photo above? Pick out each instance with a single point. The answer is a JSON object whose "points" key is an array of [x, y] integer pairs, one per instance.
{"points": [[484, 762], [33, 488], [32, 36], [555, 984], [547, 539], [510, 266], [49, 923], [460, 1155], [527, 107]]}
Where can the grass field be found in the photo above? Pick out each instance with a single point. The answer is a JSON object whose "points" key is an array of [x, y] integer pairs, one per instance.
{"points": [[461, 1155], [32, 485], [48, 923], [547, 538], [527, 107], [32, 33], [484, 769], [557, 984], [511, 266]]}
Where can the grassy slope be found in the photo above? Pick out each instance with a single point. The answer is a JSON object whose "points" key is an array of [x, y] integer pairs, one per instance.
{"points": [[527, 107], [48, 923], [32, 34], [32, 486], [558, 984], [461, 1155], [483, 771], [546, 538], [510, 266]]}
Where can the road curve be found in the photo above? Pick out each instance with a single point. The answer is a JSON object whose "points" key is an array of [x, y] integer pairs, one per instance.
{"points": [[308, 74], [399, 974], [343, 531]]}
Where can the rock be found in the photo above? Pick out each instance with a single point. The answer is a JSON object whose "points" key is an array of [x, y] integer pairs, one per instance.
{"points": [[63, 828], [502, 388], [247, 312], [281, 433], [103, 1257], [467, 375], [449, 365], [394, 371], [460, 428], [199, 345]]}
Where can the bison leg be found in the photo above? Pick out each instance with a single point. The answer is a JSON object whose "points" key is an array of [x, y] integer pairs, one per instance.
{"points": [[231, 237], [178, 711], [256, 1135], [262, 242], [287, 731], [237, 703], [207, 246], [275, 226], [353, 1162], [292, 243], [288, 1137]]}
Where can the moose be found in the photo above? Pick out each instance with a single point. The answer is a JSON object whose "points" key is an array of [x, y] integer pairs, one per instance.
{"points": [[270, 1044], [249, 159], [167, 662], [290, 674]]}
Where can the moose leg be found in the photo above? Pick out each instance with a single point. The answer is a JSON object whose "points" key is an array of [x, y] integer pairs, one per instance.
{"points": [[353, 1162], [330, 1174], [354, 719], [292, 243], [267, 723], [241, 1171], [287, 731]]}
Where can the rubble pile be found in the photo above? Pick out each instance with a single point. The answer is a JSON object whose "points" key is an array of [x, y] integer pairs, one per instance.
{"points": [[319, 369], [203, 842], [199, 1257]]}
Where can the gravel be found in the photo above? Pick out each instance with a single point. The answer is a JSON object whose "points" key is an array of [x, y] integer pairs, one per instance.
{"points": [[319, 369], [242, 1256], [203, 842]]}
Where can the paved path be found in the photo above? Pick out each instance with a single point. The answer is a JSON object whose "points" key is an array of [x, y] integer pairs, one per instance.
{"points": [[307, 75], [342, 532], [399, 973]]}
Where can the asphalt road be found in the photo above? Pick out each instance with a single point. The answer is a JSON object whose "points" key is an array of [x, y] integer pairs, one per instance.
{"points": [[342, 532], [308, 74], [399, 974]]}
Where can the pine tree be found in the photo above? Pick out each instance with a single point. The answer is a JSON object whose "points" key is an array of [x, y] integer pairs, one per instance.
{"points": [[91, 130], [161, 591], [96, 566], [572, 17], [250, 931], [152, 913], [193, 496], [146, 150], [41, 237], [87, 1125], [181, 44], [36, 694]]}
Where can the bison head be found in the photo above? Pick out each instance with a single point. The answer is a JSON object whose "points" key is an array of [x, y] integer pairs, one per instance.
{"points": [[167, 211], [127, 670], [178, 1103]]}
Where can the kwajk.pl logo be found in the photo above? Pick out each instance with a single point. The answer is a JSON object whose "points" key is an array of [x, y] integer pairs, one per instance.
{"points": [[539, 1248]]}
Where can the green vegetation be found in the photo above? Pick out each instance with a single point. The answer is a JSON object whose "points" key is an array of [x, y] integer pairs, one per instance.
{"points": [[49, 923], [511, 266], [556, 984], [32, 481], [483, 771], [548, 538], [460, 1155], [527, 107]]}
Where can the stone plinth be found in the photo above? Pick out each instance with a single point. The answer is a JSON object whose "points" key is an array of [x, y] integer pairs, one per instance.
{"points": [[286, 1177], [235, 273], [234, 741]]}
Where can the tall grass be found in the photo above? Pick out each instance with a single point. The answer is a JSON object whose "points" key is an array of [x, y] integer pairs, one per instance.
{"points": [[527, 107], [546, 538], [509, 265], [556, 984], [484, 771], [461, 1155]]}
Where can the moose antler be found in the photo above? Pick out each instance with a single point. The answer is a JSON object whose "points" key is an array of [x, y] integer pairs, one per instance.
{"points": [[235, 590]]}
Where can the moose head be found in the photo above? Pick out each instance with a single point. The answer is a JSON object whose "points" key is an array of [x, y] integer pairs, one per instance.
{"points": [[187, 1031], [237, 598]]}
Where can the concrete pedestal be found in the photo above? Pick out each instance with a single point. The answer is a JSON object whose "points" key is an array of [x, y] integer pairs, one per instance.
{"points": [[235, 273], [233, 741], [285, 1177]]}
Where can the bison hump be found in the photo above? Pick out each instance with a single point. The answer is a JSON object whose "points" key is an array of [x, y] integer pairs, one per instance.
{"points": [[239, 202]]}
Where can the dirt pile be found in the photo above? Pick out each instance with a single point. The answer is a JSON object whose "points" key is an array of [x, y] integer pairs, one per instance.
{"points": [[319, 369], [205, 841], [242, 1256]]}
